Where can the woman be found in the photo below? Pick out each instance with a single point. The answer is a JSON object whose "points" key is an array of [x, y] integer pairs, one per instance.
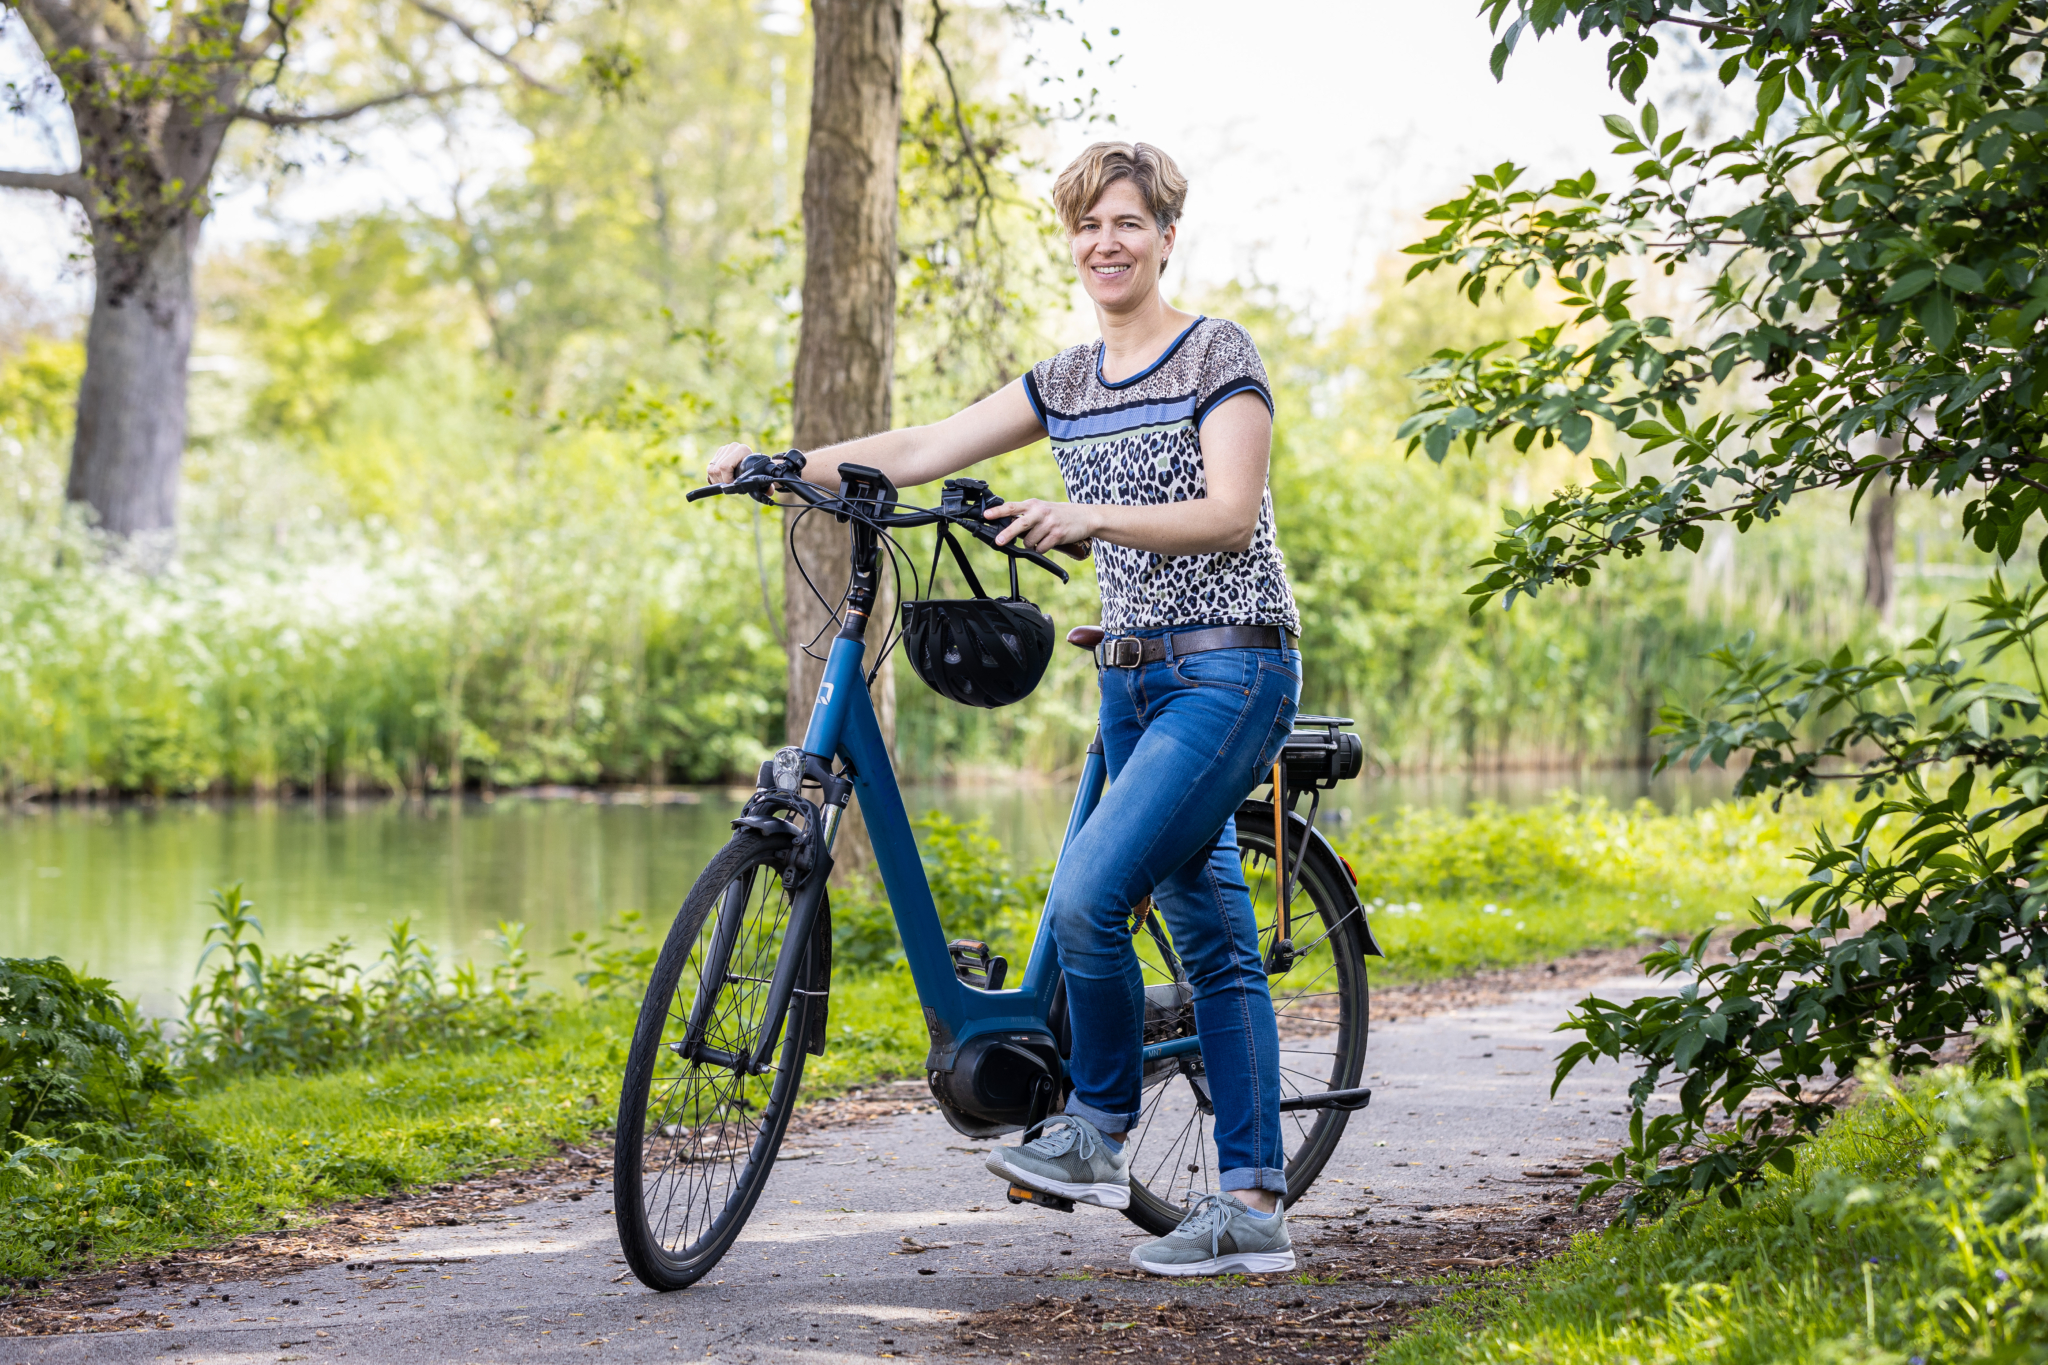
{"points": [[1162, 430]]}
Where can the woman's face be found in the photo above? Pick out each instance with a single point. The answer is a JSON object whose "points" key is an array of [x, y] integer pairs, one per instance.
{"points": [[1119, 248]]}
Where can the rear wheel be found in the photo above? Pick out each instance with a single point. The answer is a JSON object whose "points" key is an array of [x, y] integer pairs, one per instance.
{"points": [[1321, 1005], [697, 1137]]}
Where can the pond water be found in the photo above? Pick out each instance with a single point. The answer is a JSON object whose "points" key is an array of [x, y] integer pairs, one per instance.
{"points": [[121, 890]]}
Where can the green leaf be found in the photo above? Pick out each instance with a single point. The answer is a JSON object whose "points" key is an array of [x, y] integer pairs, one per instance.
{"points": [[1937, 314], [1770, 95], [1649, 123], [1961, 277], [1909, 284], [1692, 537], [1619, 126], [1576, 431]]}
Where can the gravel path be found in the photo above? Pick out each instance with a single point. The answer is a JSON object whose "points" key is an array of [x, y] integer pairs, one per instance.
{"points": [[1462, 1161]]}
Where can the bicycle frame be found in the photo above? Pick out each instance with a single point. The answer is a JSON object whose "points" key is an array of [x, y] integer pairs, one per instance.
{"points": [[843, 725]]}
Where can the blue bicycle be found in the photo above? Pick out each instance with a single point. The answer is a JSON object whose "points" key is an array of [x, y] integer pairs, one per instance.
{"points": [[742, 987]]}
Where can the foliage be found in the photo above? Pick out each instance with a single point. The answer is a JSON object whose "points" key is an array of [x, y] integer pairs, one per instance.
{"points": [[983, 265], [39, 388], [570, 638], [72, 1054], [1874, 257], [1908, 1230], [979, 891], [613, 961], [257, 1012], [1450, 894]]}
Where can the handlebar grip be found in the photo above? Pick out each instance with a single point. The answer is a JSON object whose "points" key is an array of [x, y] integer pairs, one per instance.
{"points": [[708, 491]]}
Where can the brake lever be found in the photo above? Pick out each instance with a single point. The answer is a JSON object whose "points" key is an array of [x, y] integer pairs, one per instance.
{"points": [[757, 488], [987, 531]]}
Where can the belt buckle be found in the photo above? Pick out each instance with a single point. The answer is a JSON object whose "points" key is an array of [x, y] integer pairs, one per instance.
{"points": [[1113, 652]]}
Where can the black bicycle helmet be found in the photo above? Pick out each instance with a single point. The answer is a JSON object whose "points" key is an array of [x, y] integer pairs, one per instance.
{"points": [[979, 650]]}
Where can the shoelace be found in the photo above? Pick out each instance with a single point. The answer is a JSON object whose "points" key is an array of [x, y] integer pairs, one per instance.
{"points": [[1207, 1215], [1061, 1140]]}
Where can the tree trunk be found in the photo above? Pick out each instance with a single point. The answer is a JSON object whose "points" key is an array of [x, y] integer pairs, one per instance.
{"points": [[130, 437], [1880, 534], [846, 347], [1880, 553]]}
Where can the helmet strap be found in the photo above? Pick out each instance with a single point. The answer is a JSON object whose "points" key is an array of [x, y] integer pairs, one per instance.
{"points": [[966, 569]]}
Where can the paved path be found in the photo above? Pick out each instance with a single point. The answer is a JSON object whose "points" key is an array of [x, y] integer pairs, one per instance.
{"points": [[1460, 1114]]}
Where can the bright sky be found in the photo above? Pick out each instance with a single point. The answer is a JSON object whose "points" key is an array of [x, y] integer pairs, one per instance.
{"points": [[1314, 133]]}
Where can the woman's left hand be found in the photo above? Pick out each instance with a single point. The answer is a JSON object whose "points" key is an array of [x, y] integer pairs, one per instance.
{"points": [[1043, 526]]}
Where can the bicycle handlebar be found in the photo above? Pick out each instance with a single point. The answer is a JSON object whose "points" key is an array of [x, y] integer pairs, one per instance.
{"points": [[761, 476]]}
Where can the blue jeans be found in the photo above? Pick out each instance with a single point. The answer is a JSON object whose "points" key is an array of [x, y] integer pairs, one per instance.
{"points": [[1186, 740]]}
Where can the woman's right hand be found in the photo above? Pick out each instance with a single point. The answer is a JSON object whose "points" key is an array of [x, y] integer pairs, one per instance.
{"points": [[725, 462]]}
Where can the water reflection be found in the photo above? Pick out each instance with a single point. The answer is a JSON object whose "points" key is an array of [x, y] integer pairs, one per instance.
{"points": [[120, 889]]}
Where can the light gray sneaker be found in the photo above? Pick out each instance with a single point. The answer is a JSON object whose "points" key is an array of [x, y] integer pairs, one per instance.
{"points": [[1220, 1236], [1068, 1158]]}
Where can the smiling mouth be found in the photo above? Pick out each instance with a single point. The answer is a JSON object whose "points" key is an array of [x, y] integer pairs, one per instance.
{"points": [[1110, 269]]}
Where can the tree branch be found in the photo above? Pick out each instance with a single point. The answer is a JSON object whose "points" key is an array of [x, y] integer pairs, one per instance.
{"points": [[275, 118], [959, 118], [70, 184], [476, 40]]}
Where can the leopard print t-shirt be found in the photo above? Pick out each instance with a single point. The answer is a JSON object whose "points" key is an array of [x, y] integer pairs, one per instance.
{"points": [[1138, 442]]}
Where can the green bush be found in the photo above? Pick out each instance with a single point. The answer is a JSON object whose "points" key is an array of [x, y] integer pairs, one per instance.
{"points": [[318, 1010], [979, 891], [72, 1056]]}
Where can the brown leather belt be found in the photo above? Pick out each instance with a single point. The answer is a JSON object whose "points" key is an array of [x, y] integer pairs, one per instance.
{"points": [[1134, 651]]}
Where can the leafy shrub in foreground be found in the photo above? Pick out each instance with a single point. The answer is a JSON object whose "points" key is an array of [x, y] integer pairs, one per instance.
{"points": [[1877, 283], [1908, 1230], [72, 1053]]}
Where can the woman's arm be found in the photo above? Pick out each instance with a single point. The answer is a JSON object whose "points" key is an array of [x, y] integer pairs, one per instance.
{"points": [[1237, 447], [910, 456]]}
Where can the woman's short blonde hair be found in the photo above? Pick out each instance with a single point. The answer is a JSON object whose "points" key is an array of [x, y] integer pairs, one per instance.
{"points": [[1160, 183]]}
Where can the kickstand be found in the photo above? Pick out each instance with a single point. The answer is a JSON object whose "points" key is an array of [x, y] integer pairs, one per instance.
{"points": [[1043, 1093]]}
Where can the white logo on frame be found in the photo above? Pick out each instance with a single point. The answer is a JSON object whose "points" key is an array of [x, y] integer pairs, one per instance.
{"points": [[824, 694]]}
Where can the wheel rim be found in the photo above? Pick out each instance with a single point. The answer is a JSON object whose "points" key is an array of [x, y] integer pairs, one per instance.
{"points": [[705, 1124]]}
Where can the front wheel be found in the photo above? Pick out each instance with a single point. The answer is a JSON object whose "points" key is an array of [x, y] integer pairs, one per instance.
{"points": [[1321, 1005], [697, 1135]]}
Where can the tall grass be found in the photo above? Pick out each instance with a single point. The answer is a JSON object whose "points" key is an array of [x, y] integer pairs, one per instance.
{"points": [[544, 641]]}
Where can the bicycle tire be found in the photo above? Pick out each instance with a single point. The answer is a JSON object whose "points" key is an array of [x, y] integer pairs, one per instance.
{"points": [[676, 1222], [1322, 1032]]}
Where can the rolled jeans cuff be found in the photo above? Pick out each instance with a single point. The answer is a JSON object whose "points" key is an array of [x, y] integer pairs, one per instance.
{"points": [[1104, 1121], [1255, 1178]]}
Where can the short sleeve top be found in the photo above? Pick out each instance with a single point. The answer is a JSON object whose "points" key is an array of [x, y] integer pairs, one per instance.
{"points": [[1138, 442]]}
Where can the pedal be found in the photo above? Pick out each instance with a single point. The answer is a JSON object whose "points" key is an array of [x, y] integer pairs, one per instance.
{"points": [[1020, 1195], [974, 964]]}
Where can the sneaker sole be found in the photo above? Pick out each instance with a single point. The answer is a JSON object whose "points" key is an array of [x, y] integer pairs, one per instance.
{"points": [[1237, 1263], [1103, 1196]]}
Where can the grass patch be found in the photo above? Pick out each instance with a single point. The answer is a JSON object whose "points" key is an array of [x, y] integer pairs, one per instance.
{"points": [[1452, 894], [1908, 1232]]}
